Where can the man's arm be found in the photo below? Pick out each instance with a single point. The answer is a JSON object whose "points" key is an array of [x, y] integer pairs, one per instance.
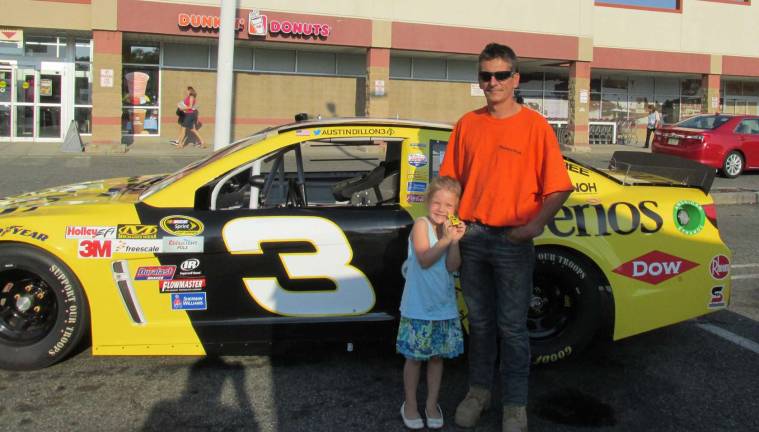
{"points": [[551, 204]]}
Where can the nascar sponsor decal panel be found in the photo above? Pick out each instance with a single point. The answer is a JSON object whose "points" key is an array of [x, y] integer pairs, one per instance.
{"points": [[717, 299], [189, 301], [416, 186], [655, 267], [95, 248], [621, 217], [137, 246], [90, 232], [182, 225], [134, 231], [182, 285], [182, 244], [719, 267], [22, 232], [189, 267], [417, 160], [415, 198], [164, 272]]}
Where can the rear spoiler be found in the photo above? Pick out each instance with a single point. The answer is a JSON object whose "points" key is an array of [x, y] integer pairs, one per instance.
{"points": [[661, 168]]}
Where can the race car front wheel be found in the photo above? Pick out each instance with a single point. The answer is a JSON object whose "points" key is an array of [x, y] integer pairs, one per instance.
{"points": [[43, 311], [570, 303]]}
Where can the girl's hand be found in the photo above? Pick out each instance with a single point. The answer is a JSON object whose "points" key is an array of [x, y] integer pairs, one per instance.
{"points": [[458, 231]]}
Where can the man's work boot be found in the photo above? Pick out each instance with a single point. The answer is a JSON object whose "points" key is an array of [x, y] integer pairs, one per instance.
{"points": [[476, 401], [514, 419]]}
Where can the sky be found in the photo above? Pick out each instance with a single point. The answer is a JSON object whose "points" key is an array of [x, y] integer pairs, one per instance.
{"points": [[669, 4]]}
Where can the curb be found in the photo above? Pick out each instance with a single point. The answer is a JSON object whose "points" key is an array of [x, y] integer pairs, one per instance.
{"points": [[735, 197]]}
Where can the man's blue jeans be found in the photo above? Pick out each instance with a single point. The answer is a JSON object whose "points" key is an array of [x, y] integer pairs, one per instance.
{"points": [[496, 278]]}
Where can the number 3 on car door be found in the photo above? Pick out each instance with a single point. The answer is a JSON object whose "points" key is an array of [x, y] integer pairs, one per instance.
{"points": [[353, 295]]}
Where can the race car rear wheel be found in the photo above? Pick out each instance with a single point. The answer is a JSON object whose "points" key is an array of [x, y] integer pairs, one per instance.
{"points": [[43, 311], [570, 304]]}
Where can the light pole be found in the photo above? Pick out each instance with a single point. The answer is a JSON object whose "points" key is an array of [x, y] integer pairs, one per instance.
{"points": [[224, 74]]}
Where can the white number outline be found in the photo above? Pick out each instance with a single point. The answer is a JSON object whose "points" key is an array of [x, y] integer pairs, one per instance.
{"points": [[354, 294]]}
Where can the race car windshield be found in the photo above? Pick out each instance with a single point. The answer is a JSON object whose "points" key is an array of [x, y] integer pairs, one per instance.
{"points": [[211, 158]]}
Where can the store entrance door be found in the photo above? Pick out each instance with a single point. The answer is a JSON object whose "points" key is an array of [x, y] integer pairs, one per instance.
{"points": [[32, 107]]}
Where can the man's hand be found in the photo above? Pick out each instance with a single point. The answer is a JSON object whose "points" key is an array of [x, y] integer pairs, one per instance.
{"points": [[524, 233]]}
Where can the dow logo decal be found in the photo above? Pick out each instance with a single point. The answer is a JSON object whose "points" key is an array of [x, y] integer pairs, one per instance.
{"points": [[655, 267]]}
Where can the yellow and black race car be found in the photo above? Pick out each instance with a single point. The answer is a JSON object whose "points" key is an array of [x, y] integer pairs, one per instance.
{"points": [[300, 231]]}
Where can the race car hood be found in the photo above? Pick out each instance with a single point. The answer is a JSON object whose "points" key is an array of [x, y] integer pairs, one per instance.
{"points": [[89, 192]]}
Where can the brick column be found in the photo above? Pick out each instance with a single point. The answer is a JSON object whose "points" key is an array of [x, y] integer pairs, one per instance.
{"points": [[579, 102], [377, 82], [711, 84], [106, 100]]}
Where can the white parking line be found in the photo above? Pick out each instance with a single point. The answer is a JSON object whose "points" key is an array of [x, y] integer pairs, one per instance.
{"points": [[746, 276], [745, 265], [732, 337]]}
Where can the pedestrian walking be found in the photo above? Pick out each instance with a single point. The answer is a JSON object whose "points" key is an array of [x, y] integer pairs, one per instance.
{"points": [[514, 181], [653, 122], [189, 119]]}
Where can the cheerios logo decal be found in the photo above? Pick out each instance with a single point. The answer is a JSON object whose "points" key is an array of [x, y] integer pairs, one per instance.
{"points": [[181, 225]]}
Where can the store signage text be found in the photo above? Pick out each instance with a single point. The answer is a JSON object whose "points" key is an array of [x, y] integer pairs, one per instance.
{"points": [[258, 25]]}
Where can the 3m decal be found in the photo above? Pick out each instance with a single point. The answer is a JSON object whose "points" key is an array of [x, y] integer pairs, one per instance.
{"points": [[90, 232], [417, 160], [137, 246], [155, 272], [689, 217], [189, 301], [717, 299], [623, 218], [655, 267], [94, 249], [21, 231], [719, 267], [416, 186], [137, 232], [182, 225], [182, 244], [353, 293], [182, 285]]}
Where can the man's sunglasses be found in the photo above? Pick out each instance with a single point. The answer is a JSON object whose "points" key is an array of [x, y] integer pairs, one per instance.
{"points": [[499, 76]]}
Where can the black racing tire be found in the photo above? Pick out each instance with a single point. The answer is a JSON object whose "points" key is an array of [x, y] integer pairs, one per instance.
{"points": [[733, 165], [571, 303], [43, 311]]}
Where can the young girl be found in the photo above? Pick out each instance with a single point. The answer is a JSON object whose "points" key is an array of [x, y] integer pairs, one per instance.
{"points": [[430, 329]]}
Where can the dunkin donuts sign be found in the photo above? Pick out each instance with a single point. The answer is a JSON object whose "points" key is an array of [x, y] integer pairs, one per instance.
{"points": [[258, 25]]}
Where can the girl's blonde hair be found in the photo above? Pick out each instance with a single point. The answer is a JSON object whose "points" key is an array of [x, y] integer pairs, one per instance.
{"points": [[444, 183]]}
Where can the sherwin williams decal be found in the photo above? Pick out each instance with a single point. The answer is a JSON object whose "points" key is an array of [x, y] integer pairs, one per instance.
{"points": [[133, 231], [417, 160], [717, 299], [719, 267], [182, 244], [182, 285], [23, 232], [182, 225], [655, 267], [155, 272], [689, 217], [416, 186], [189, 301], [90, 232]]}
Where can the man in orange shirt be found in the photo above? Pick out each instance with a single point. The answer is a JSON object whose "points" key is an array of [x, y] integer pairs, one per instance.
{"points": [[509, 163]]}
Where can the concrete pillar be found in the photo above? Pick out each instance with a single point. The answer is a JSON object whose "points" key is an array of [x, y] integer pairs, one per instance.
{"points": [[106, 88], [578, 138], [377, 82], [711, 84]]}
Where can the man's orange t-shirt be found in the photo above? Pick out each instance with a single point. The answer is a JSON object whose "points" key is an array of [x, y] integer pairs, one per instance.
{"points": [[505, 166]]}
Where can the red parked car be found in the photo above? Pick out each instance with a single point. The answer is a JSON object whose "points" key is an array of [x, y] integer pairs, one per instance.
{"points": [[729, 143]]}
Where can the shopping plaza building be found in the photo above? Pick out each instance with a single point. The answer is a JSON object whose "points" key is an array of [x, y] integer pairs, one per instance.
{"points": [[117, 68]]}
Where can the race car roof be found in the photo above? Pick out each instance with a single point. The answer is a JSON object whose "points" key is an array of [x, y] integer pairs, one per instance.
{"points": [[348, 121]]}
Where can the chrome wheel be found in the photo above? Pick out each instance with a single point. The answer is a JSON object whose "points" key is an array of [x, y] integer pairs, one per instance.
{"points": [[733, 165]]}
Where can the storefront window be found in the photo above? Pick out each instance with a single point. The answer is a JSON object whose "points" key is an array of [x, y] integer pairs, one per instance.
{"points": [[691, 87], [400, 67], [316, 63], [462, 70], [187, 55], [556, 105], [556, 82], [141, 53], [11, 48], [533, 99], [670, 108], [429, 68], [83, 97], [140, 98], [351, 64], [83, 50], [595, 106], [531, 81], [272, 60], [45, 46], [690, 106]]}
